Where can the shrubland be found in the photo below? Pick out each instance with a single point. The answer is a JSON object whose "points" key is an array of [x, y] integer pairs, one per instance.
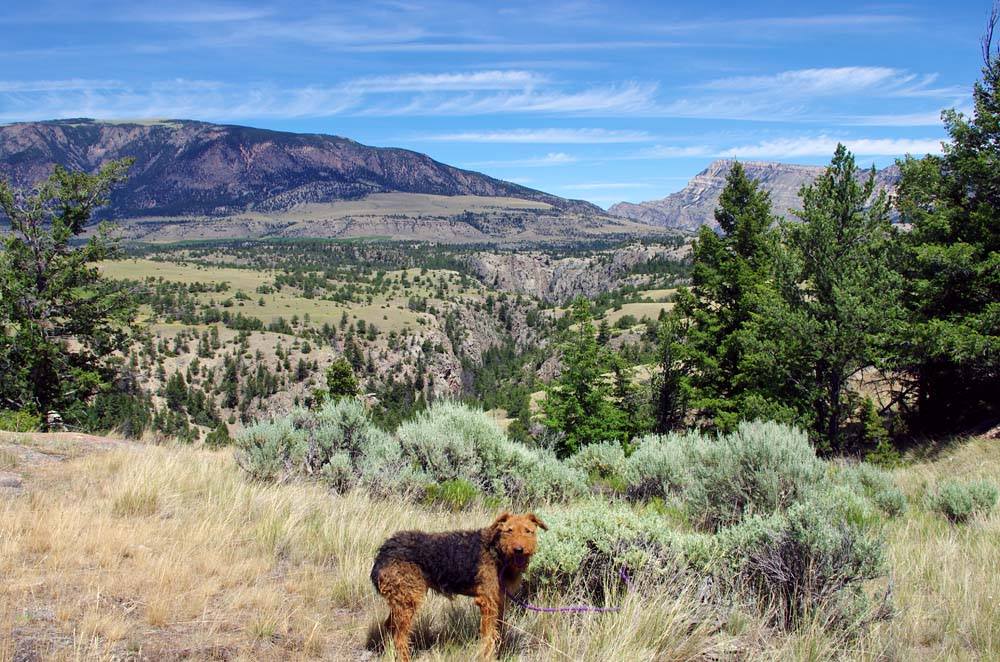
{"points": [[754, 518], [175, 549]]}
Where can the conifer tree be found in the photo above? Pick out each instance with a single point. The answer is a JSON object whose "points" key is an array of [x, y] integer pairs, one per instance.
{"points": [[730, 268], [838, 304], [61, 322], [578, 405], [951, 352]]}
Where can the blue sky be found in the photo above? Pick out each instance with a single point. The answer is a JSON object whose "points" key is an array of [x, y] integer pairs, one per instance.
{"points": [[593, 100]]}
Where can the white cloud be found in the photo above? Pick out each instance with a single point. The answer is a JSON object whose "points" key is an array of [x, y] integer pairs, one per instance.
{"points": [[603, 186], [931, 118], [544, 136], [673, 152], [625, 99], [550, 159], [833, 81], [825, 146], [74, 84], [762, 26], [792, 147], [181, 99], [194, 14], [478, 80]]}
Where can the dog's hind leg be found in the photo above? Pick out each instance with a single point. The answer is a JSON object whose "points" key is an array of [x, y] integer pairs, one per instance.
{"points": [[403, 586]]}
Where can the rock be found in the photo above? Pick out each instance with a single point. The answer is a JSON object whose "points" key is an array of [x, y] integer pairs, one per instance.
{"points": [[559, 281], [694, 205], [10, 480]]}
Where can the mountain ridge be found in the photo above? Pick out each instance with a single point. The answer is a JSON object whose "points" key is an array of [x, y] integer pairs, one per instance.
{"points": [[195, 168], [694, 205]]}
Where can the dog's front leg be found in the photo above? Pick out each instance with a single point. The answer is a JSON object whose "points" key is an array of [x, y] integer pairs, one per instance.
{"points": [[489, 632]]}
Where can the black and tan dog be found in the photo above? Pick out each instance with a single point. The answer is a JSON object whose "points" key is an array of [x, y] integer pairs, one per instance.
{"points": [[483, 564]]}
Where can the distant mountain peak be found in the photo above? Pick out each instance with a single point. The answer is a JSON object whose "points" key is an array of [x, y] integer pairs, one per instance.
{"points": [[694, 205]]}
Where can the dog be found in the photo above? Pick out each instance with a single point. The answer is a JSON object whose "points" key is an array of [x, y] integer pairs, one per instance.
{"points": [[484, 564]]}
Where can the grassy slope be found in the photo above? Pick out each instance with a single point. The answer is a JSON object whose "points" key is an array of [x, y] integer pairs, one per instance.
{"points": [[168, 552], [388, 310]]}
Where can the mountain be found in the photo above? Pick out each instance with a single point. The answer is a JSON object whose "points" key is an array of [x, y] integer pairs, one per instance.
{"points": [[694, 205], [186, 167]]}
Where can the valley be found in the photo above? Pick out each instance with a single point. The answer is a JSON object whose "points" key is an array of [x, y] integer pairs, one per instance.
{"points": [[235, 330]]}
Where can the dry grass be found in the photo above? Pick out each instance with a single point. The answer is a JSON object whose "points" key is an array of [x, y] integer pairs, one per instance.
{"points": [[945, 578], [167, 552]]}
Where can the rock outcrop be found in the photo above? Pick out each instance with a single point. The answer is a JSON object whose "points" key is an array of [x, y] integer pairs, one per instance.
{"points": [[694, 205]]}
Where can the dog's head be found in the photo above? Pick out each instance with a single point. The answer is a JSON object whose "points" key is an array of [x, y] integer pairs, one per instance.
{"points": [[513, 537]]}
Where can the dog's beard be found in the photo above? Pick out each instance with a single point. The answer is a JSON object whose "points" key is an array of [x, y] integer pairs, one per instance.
{"points": [[519, 561]]}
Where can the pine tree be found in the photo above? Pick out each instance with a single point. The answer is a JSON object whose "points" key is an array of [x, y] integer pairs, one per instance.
{"points": [[340, 380], [669, 388], [951, 351], [578, 404], [838, 305], [730, 269], [61, 323]]}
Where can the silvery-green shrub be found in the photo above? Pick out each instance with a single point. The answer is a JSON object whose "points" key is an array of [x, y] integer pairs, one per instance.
{"points": [[271, 450], [960, 501], [759, 468], [450, 441], [658, 467], [802, 561], [874, 483], [597, 543], [602, 461]]}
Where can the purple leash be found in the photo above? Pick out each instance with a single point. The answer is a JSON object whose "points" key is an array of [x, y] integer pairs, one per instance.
{"points": [[578, 609]]}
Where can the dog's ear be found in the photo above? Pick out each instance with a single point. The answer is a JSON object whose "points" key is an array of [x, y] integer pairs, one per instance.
{"points": [[494, 528], [501, 518], [534, 518]]}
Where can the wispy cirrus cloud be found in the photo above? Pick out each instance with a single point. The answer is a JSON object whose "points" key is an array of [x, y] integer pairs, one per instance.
{"points": [[762, 26], [627, 98], [72, 84], [543, 136], [805, 95], [824, 145], [449, 82], [790, 147], [834, 81], [605, 186], [178, 98], [199, 13], [548, 160]]}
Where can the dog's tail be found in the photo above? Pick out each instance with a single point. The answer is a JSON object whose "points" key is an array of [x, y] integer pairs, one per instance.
{"points": [[381, 558]]}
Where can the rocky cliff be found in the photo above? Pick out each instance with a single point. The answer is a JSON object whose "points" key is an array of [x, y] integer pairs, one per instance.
{"points": [[694, 205]]}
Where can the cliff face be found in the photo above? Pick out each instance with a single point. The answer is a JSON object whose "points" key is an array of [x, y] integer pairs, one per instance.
{"points": [[561, 280], [197, 168], [694, 205]]}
